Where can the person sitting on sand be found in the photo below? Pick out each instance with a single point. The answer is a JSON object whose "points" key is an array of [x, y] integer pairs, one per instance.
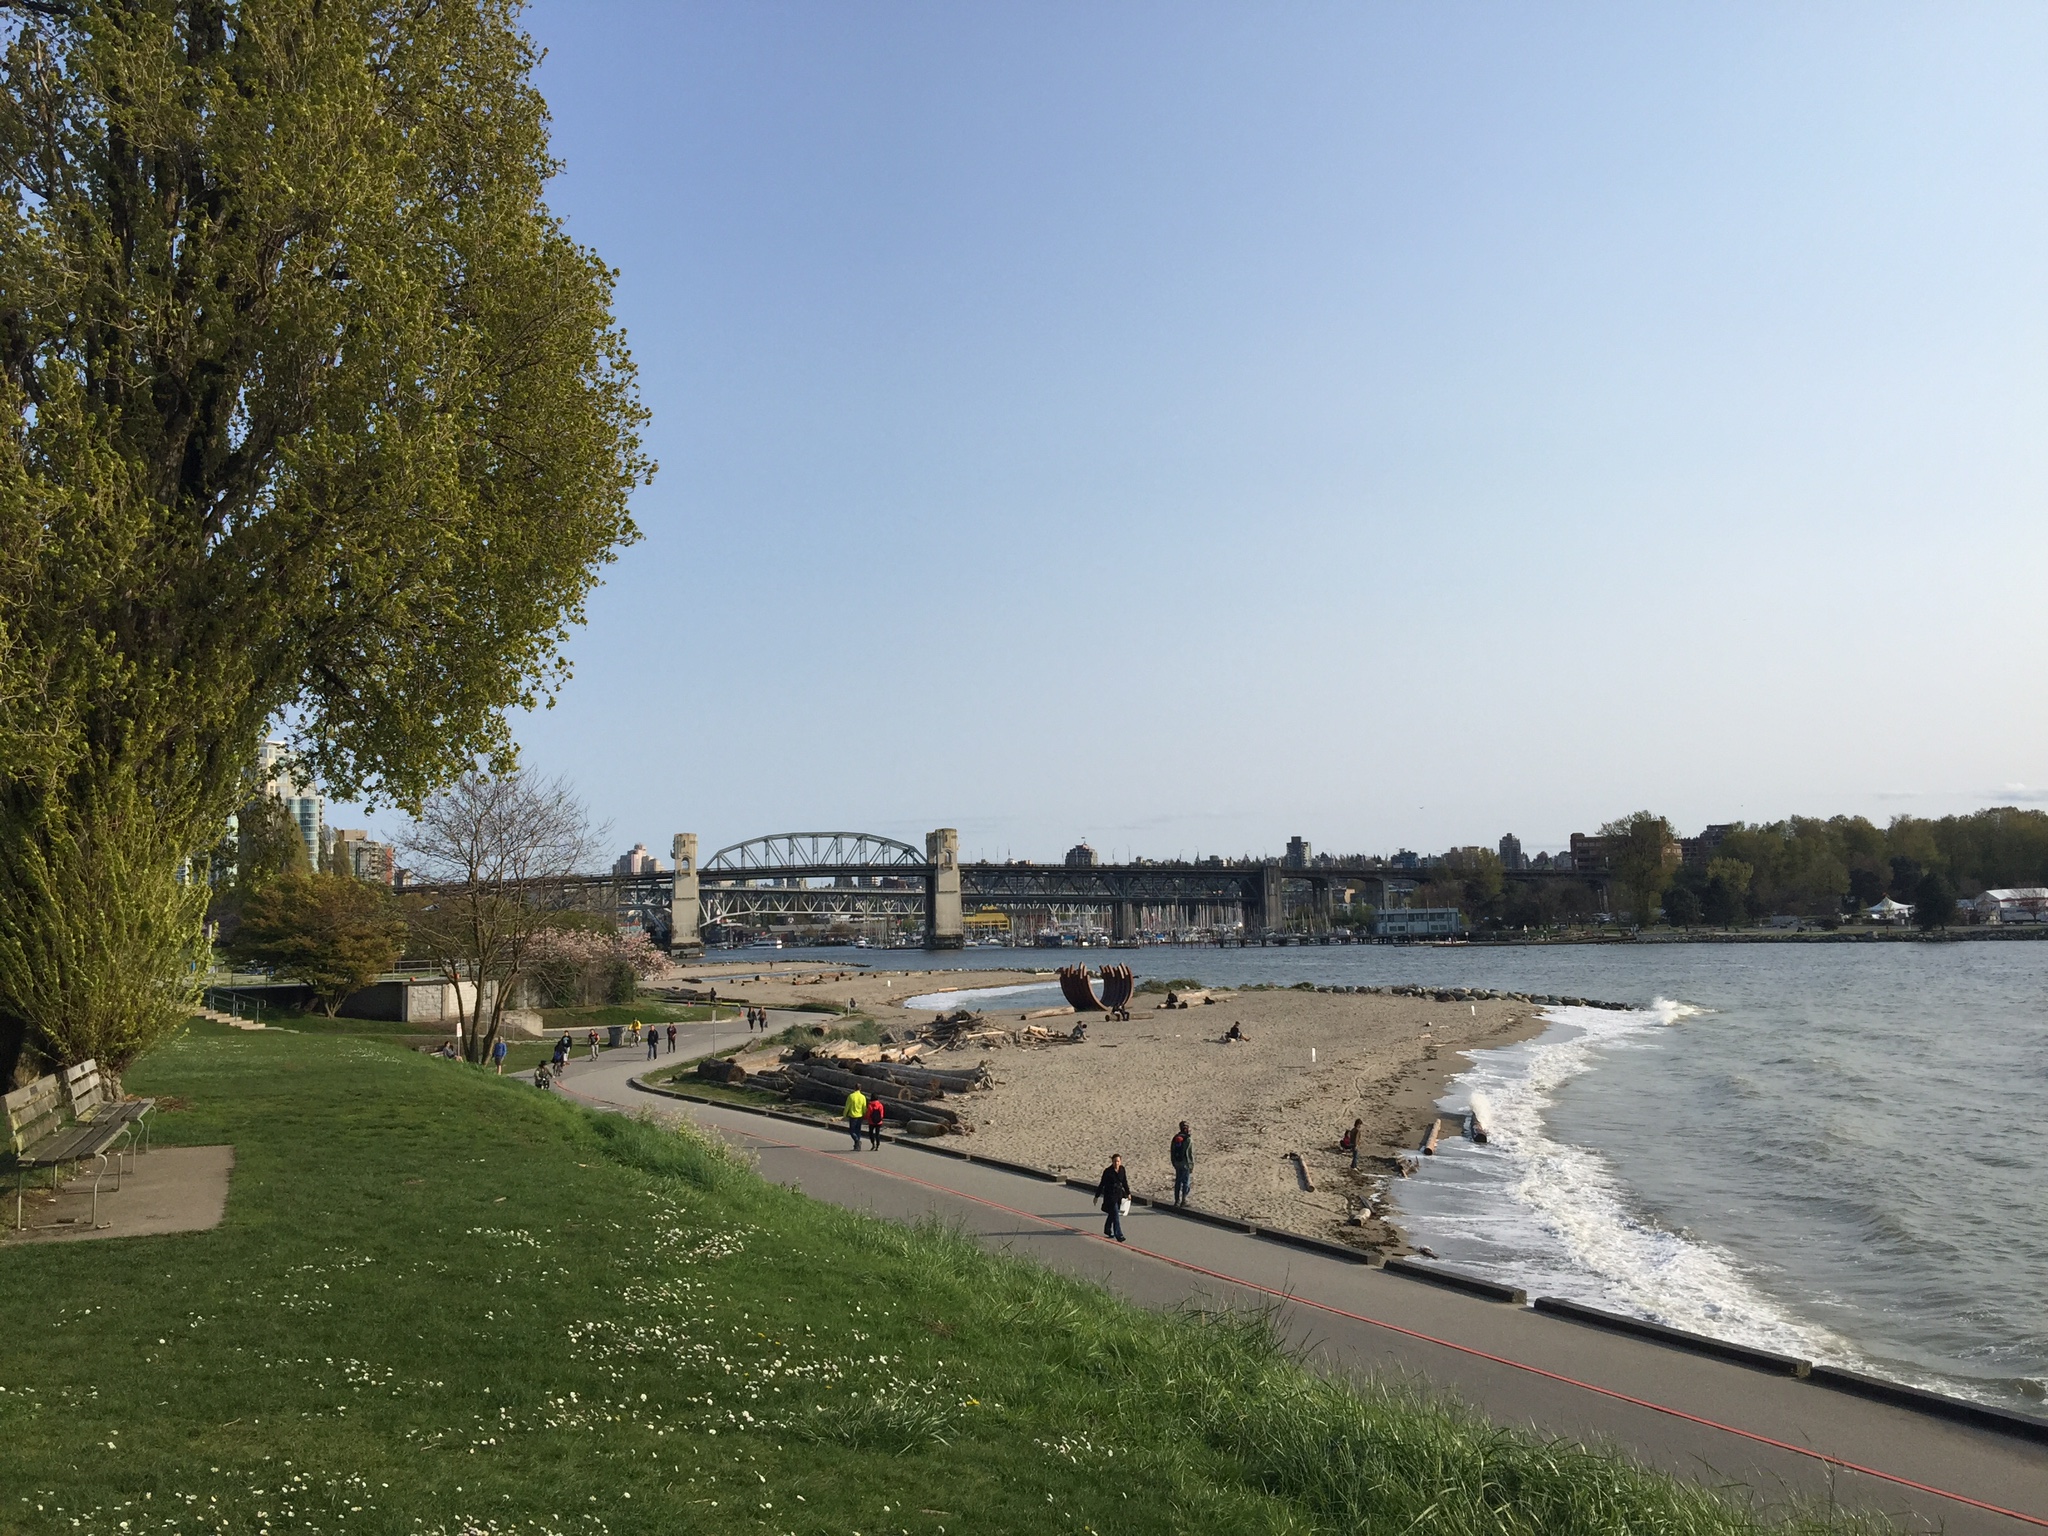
{"points": [[1236, 1034], [1348, 1142]]}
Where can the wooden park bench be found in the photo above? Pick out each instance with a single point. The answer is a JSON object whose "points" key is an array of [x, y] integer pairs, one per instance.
{"points": [[91, 1104], [41, 1135]]}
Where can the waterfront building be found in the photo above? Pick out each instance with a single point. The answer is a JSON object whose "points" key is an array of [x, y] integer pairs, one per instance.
{"points": [[1419, 923], [1081, 856], [2014, 904]]}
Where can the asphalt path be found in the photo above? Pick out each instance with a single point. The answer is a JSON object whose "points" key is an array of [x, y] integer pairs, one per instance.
{"points": [[1722, 1423]]}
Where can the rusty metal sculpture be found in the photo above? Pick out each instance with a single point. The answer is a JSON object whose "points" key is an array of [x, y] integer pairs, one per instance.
{"points": [[1118, 983]]}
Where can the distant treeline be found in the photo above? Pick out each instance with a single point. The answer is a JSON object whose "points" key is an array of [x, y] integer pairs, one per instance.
{"points": [[1806, 866]]}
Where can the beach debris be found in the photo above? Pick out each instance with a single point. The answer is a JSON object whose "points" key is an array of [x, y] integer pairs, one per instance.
{"points": [[1301, 1169], [1476, 1119], [1428, 1144]]}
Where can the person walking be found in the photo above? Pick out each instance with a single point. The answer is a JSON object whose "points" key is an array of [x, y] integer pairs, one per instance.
{"points": [[562, 1049], [1115, 1194], [1182, 1151], [498, 1054], [1349, 1142], [593, 1045], [653, 1043], [856, 1113], [671, 1039], [875, 1114]]}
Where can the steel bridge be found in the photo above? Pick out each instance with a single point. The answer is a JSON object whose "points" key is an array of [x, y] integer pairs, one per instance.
{"points": [[880, 884]]}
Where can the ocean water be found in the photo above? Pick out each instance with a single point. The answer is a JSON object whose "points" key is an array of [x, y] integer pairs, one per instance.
{"points": [[1836, 1150]]}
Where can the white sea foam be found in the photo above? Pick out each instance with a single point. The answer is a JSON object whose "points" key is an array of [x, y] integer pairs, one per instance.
{"points": [[1561, 1210]]}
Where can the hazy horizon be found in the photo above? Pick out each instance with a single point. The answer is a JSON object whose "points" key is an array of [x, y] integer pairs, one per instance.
{"points": [[1186, 427]]}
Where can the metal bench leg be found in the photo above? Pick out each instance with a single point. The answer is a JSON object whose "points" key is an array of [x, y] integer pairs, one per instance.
{"points": [[101, 1173]]}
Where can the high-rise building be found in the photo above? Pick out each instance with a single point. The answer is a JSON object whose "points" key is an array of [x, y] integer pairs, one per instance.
{"points": [[375, 862], [1081, 856], [1298, 853], [636, 861], [301, 802], [1511, 853]]}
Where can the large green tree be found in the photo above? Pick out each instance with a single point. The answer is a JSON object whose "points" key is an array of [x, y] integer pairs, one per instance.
{"points": [[314, 413], [335, 933], [1644, 852]]}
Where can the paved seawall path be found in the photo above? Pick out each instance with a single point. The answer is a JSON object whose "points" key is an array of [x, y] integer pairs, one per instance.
{"points": [[1682, 1413]]}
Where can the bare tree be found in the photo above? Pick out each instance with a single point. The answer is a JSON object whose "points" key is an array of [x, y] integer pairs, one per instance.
{"points": [[486, 847]]}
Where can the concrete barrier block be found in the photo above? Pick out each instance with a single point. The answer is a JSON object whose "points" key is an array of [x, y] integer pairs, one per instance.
{"points": [[1455, 1280], [1676, 1338], [1981, 1415]]}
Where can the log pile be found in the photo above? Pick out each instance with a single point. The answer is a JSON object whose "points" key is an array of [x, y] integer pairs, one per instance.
{"points": [[911, 1092]]}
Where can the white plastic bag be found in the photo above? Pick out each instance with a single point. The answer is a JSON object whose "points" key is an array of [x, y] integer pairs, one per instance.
{"points": [[1123, 1207]]}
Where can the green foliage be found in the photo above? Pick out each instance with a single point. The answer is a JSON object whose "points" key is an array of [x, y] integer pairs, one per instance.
{"points": [[335, 933], [1797, 866], [1682, 908], [1934, 902], [100, 939], [1175, 984], [1644, 856], [1810, 866], [268, 844], [315, 412]]}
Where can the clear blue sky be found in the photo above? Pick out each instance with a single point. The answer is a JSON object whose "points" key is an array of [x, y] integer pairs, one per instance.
{"points": [[1186, 425]]}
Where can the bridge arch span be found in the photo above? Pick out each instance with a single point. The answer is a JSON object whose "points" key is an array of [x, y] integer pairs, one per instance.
{"points": [[781, 853]]}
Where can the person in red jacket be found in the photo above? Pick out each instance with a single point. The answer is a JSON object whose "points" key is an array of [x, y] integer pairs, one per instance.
{"points": [[875, 1113]]}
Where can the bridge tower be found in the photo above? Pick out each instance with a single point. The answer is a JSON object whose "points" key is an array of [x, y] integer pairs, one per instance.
{"points": [[686, 910], [943, 924]]}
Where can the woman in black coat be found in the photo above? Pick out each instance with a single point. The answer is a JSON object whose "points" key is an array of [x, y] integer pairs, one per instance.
{"points": [[1113, 1191]]}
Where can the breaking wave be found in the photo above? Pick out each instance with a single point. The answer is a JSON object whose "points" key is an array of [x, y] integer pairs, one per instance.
{"points": [[1557, 1218]]}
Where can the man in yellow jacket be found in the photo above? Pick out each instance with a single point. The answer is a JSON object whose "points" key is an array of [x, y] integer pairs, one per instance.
{"points": [[856, 1112]]}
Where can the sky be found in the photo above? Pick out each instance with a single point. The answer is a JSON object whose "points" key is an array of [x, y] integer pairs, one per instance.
{"points": [[1186, 426]]}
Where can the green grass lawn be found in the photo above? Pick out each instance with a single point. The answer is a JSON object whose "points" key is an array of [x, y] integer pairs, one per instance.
{"points": [[443, 1302]]}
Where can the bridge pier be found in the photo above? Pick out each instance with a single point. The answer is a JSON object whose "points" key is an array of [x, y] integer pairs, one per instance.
{"points": [[944, 927], [686, 908], [1272, 901], [1123, 923]]}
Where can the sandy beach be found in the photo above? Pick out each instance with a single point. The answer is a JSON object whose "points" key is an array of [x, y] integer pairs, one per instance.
{"points": [[1380, 1058]]}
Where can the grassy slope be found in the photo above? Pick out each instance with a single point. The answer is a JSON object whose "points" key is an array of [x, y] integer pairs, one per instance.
{"points": [[444, 1302]]}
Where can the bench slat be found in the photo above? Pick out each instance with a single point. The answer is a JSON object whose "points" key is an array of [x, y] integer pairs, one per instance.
{"points": [[33, 1114]]}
